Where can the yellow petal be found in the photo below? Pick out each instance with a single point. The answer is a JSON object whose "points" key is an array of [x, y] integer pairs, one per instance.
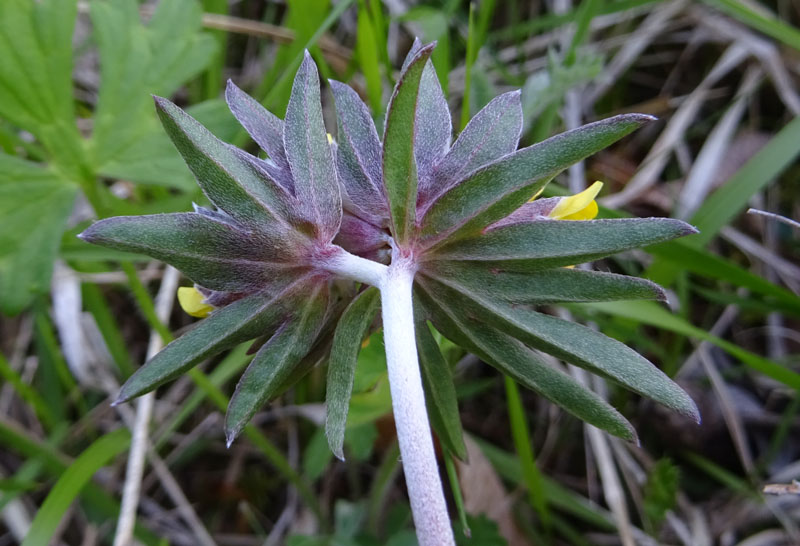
{"points": [[330, 138], [192, 302], [580, 206]]}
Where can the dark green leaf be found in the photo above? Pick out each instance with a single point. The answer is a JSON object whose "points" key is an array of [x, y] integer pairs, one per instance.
{"points": [[275, 361], [309, 154], [496, 190], [230, 178], [577, 345], [544, 244], [347, 341], [516, 360], [440, 392], [223, 329], [547, 286], [399, 164], [34, 206], [208, 249]]}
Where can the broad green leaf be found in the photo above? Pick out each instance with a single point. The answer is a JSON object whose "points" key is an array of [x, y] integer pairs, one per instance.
{"points": [[440, 392], [358, 156], [230, 178], [151, 158], [208, 249], [275, 361], [654, 315], [543, 244], [309, 154], [577, 345], [70, 484], [538, 287], [496, 190], [347, 341], [34, 206], [399, 163], [491, 134], [513, 358], [224, 328], [137, 61], [36, 72]]}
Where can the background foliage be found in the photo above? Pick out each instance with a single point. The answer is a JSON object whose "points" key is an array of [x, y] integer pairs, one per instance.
{"points": [[80, 140]]}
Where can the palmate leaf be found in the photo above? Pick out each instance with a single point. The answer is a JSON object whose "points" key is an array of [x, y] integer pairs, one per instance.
{"points": [[544, 244], [309, 154], [275, 361], [440, 392], [350, 332], [575, 344], [538, 287], [494, 191], [34, 205], [513, 358], [207, 249], [223, 329], [399, 163]]}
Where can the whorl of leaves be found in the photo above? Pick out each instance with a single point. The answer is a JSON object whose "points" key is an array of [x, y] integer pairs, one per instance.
{"points": [[485, 256]]}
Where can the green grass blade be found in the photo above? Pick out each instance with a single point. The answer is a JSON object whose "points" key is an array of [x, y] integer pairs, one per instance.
{"points": [[653, 314], [522, 444], [71, 482], [727, 202], [770, 26]]}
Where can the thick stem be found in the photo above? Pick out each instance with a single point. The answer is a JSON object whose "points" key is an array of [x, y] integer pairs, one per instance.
{"points": [[408, 402]]}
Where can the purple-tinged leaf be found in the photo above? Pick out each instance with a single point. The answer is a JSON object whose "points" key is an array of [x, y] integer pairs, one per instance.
{"points": [[360, 237], [223, 329], [275, 361], [262, 125], [493, 192], [211, 252], [544, 244], [516, 360], [358, 158], [416, 46], [309, 154], [399, 163], [230, 180], [491, 134], [350, 332], [540, 287], [434, 128], [576, 344]]}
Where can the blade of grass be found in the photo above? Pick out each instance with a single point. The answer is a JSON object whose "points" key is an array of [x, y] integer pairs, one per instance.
{"points": [[95, 302], [472, 55], [654, 315], [771, 26], [367, 51], [455, 488], [522, 444], [28, 394], [71, 482]]}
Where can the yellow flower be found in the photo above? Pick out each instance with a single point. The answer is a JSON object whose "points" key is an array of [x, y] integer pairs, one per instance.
{"points": [[580, 206], [192, 302]]}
